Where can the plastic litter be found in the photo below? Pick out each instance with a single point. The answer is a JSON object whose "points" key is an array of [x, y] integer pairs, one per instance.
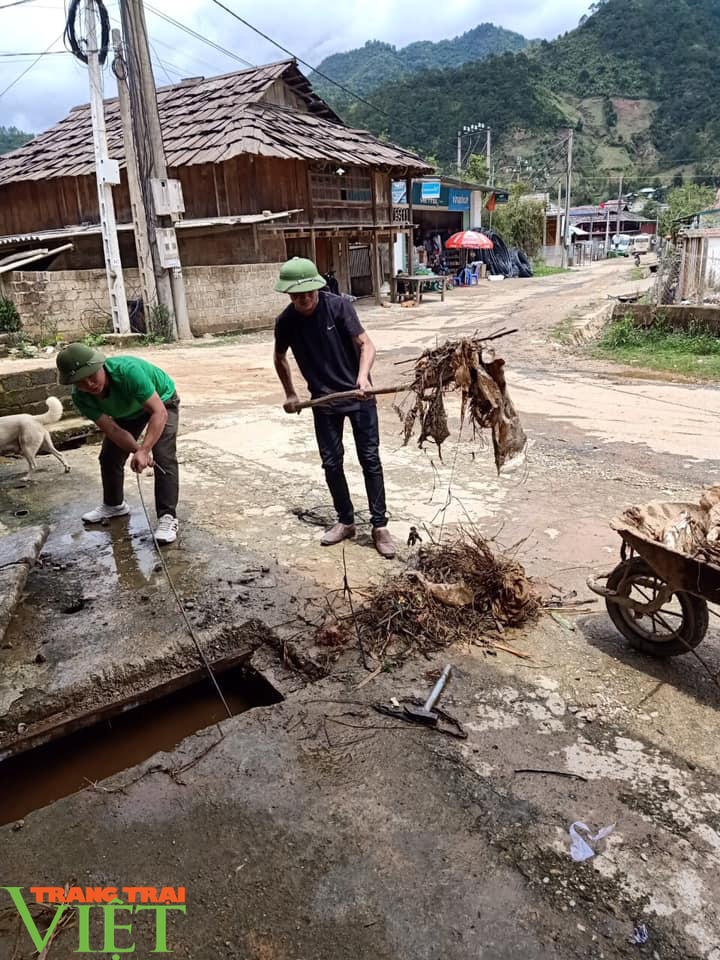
{"points": [[563, 621], [681, 535], [580, 849], [640, 934]]}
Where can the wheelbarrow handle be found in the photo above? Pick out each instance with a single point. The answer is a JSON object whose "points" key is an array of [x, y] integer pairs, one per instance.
{"points": [[646, 609], [594, 584]]}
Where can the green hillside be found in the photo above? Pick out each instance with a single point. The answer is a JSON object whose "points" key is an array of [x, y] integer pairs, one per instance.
{"points": [[367, 67], [635, 80], [665, 50], [11, 138]]}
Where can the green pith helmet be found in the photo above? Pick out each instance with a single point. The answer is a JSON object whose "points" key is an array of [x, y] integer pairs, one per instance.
{"points": [[299, 276], [78, 361]]}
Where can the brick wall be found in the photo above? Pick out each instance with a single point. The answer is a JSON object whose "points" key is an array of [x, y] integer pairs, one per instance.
{"points": [[69, 303], [234, 297], [72, 303], [27, 390]]}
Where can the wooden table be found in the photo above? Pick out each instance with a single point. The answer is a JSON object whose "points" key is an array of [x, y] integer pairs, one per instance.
{"points": [[419, 280]]}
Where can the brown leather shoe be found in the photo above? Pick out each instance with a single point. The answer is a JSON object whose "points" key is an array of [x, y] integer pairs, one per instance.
{"points": [[383, 542], [338, 533]]}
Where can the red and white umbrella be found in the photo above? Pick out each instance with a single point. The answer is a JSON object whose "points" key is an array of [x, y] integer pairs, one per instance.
{"points": [[469, 240]]}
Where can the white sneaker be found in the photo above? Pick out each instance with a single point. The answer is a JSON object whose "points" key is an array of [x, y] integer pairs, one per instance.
{"points": [[104, 512], [167, 528]]}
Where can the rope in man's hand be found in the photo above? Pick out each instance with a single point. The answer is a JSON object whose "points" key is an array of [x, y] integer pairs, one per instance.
{"points": [[179, 602]]}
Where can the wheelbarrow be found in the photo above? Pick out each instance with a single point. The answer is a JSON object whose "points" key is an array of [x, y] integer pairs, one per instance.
{"points": [[658, 597]]}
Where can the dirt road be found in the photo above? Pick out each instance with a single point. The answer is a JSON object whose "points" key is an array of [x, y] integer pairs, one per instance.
{"points": [[301, 835]]}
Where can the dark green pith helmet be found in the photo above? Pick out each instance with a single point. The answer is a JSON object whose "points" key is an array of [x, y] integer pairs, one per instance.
{"points": [[77, 361], [299, 276]]}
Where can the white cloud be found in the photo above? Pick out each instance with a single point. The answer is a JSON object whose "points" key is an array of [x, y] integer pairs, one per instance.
{"points": [[310, 29]]}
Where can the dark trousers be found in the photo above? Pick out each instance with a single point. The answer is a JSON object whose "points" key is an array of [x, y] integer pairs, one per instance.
{"points": [[329, 433], [113, 458]]}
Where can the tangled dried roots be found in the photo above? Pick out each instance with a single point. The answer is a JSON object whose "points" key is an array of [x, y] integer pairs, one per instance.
{"points": [[516, 601], [498, 583], [456, 594]]}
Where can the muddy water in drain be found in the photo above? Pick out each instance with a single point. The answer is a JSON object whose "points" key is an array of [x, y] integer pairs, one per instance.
{"points": [[57, 769]]}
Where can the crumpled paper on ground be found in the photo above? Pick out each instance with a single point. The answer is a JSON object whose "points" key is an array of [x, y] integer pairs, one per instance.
{"points": [[580, 849]]}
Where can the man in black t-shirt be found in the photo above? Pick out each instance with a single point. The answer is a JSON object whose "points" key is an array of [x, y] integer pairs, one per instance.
{"points": [[334, 354]]}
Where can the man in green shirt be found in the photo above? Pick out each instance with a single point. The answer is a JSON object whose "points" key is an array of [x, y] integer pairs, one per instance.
{"points": [[125, 396]]}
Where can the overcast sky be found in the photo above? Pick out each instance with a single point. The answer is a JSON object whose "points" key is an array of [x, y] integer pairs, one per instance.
{"points": [[311, 29]]}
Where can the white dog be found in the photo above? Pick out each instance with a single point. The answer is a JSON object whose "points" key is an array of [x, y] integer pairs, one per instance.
{"points": [[27, 435]]}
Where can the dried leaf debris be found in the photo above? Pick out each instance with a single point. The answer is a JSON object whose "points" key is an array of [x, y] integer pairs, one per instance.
{"points": [[472, 367], [456, 593], [689, 528]]}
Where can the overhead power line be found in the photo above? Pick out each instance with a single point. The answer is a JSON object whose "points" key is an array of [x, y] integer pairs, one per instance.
{"points": [[43, 53], [197, 36], [28, 69], [335, 83], [17, 3]]}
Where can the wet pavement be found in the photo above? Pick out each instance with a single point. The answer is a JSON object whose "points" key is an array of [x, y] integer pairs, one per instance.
{"points": [[319, 828]]}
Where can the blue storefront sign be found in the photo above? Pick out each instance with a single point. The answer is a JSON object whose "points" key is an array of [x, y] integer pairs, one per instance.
{"points": [[399, 192], [430, 190], [458, 200]]}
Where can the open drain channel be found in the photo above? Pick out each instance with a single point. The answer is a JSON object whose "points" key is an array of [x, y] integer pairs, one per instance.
{"points": [[38, 777]]}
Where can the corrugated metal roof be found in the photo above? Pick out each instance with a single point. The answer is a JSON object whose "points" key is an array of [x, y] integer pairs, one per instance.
{"points": [[209, 121], [90, 229], [19, 238], [33, 256]]}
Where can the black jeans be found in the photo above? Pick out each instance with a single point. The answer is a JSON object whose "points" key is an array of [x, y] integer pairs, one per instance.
{"points": [[113, 458], [329, 433]]}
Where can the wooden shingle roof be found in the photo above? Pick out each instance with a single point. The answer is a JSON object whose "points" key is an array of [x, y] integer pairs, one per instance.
{"points": [[211, 120]]}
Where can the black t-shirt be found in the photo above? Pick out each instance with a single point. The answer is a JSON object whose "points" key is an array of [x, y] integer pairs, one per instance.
{"points": [[324, 349]]}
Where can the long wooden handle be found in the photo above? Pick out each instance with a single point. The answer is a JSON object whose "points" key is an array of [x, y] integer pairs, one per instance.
{"points": [[351, 395]]}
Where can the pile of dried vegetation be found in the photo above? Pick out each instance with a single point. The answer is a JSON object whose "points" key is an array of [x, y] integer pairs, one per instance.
{"points": [[455, 593]]}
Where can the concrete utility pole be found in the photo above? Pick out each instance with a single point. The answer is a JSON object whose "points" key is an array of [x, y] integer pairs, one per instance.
{"points": [[619, 202], [459, 155], [607, 224], [566, 244], [107, 173], [487, 149], [152, 165], [558, 233], [140, 225]]}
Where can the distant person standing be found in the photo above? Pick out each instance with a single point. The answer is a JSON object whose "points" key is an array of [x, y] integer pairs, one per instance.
{"points": [[125, 396], [334, 354]]}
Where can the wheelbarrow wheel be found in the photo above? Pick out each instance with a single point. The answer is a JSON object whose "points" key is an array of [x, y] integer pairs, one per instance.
{"points": [[678, 627]]}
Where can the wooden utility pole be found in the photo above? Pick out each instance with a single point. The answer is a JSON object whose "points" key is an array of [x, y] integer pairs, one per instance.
{"points": [[107, 173], [152, 165], [566, 243], [137, 207]]}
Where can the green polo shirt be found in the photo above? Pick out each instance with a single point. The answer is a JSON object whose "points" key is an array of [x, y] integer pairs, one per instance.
{"points": [[132, 382]]}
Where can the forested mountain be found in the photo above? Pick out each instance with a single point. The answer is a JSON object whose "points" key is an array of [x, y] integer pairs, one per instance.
{"points": [[376, 63], [636, 80], [11, 138]]}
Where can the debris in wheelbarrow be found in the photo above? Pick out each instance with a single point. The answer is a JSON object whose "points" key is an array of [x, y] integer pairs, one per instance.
{"points": [[689, 528], [658, 595]]}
